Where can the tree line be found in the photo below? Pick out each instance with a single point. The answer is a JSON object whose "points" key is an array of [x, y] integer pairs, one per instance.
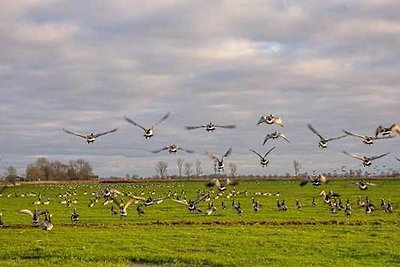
{"points": [[44, 169]]}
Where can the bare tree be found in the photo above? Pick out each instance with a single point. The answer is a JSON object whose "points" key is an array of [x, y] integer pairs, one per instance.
{"points": [[161, 169], [179, 162], [297, 167], [199, 170], [10, 174], [188, 168], [232, 169]]}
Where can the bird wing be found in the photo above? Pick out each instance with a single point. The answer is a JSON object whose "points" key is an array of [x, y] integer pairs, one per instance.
{"points": [[197, 200], [164, 148], [354, 156], [194, 127], [378, 130], [231, 126], [335, 138], [129, 202], [353, 134], [135, 123], [304, 182], [41, 212], [261, 120], [161, 120], [106, 132], [73, 133], [30, 213], [269, 151], [284, 137], [314, 131], [279, 121], [187, 150], [380, 156], [182, 202], [137, 198], [211, 156], [398, 159], [255, 152], [382, 137], [227, 153]]}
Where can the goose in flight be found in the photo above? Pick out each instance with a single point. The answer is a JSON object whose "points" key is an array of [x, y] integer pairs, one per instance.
{"points": [[315, 180], [148, 132], [220, 161], [363, 185], [34, 215], [221, 185], [191, 205], [275, 135], [90, 138], [323, 143], [366, 161], [270, 119], [123, 206], [368, 140], [172, 148], [387, 131], [210, 127], [148, 201], [263, 159]]}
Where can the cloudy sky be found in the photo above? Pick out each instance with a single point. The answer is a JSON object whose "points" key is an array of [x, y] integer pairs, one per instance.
{"points": [[84, 65]]}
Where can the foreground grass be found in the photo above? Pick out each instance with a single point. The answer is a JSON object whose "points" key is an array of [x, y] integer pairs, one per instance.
{"points": [[169, 235]]}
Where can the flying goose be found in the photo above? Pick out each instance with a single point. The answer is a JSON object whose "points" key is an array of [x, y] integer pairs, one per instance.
{"points": [[387, 131], [275, 135], [148, 201], [263, 159], [210, 127], [368, 140], [366, 161], [398, 158], [148, 132], [34, 215], [270, 119], [316, 180], [363, 185], [90, 138], [172, 148], [220, 161], [191, 205], [323, 143], [347, 209], [123, 206], [221, 185]]}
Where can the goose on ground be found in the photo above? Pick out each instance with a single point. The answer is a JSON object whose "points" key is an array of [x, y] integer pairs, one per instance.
{"points": [[366, 161], [270, 119], [172, 149], [368, 140], [90, 138], [236, 207], [47, 224], [313, 203], [139, 210], [255, 204], [281, 205], [323, 143], [211, 209], [347, 209], [74, 216], [263, 159], [315, 180], [148, 132], [275, 135], [191, 205], [219, 162], [387, 131], [210, 127], [298, 204]]}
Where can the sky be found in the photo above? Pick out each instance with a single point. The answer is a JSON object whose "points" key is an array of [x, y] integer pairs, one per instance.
{"points": [[84, 65]]}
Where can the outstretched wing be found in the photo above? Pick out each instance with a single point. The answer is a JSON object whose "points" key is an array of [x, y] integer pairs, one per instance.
{"points": [[30, 213], [164, 148], [129, 202], [231, 126], [268, 136], [194, 127], [161, 120], [383, 137], [255, 152], [353, 134], [380, 156], [41, 212], [398, 159], [110, 131], [261, 120], [199, 199], [182, 202], [137, 198], [73, 133], [186, 150], [314, 131], [279, 121], [211, 156], [269, 151], [227, 153], [354, 156], [284, 137], [135, 123], [336, 138]]}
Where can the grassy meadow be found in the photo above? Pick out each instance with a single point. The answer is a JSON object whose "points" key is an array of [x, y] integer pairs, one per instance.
{"points": [[169, 235]]}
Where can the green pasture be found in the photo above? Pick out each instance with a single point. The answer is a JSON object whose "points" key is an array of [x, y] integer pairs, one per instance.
{"points": [[169, 235]]}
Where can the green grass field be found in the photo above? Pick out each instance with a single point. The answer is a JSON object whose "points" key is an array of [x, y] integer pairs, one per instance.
{"points": [[169, 235]]}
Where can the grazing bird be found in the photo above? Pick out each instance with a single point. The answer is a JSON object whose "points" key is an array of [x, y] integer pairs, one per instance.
{"points": [[74, 216], [172, 148], [386, 131], [369, 207], [191, 205], [275, 135], [220, 161], [90, 138], [368, 140], [315, 180], [270, 119], [389, 207], [255, 204], [298, 204], [263, 159], [210, 127], [366, 161], [313, 203], [323, 143], [281, 206], [148, 132], [34, 214], [211, 209], [236, 207], [347, 209]]}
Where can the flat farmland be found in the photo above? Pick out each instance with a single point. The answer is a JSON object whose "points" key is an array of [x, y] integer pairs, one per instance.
{"points": [[167, 234]]}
